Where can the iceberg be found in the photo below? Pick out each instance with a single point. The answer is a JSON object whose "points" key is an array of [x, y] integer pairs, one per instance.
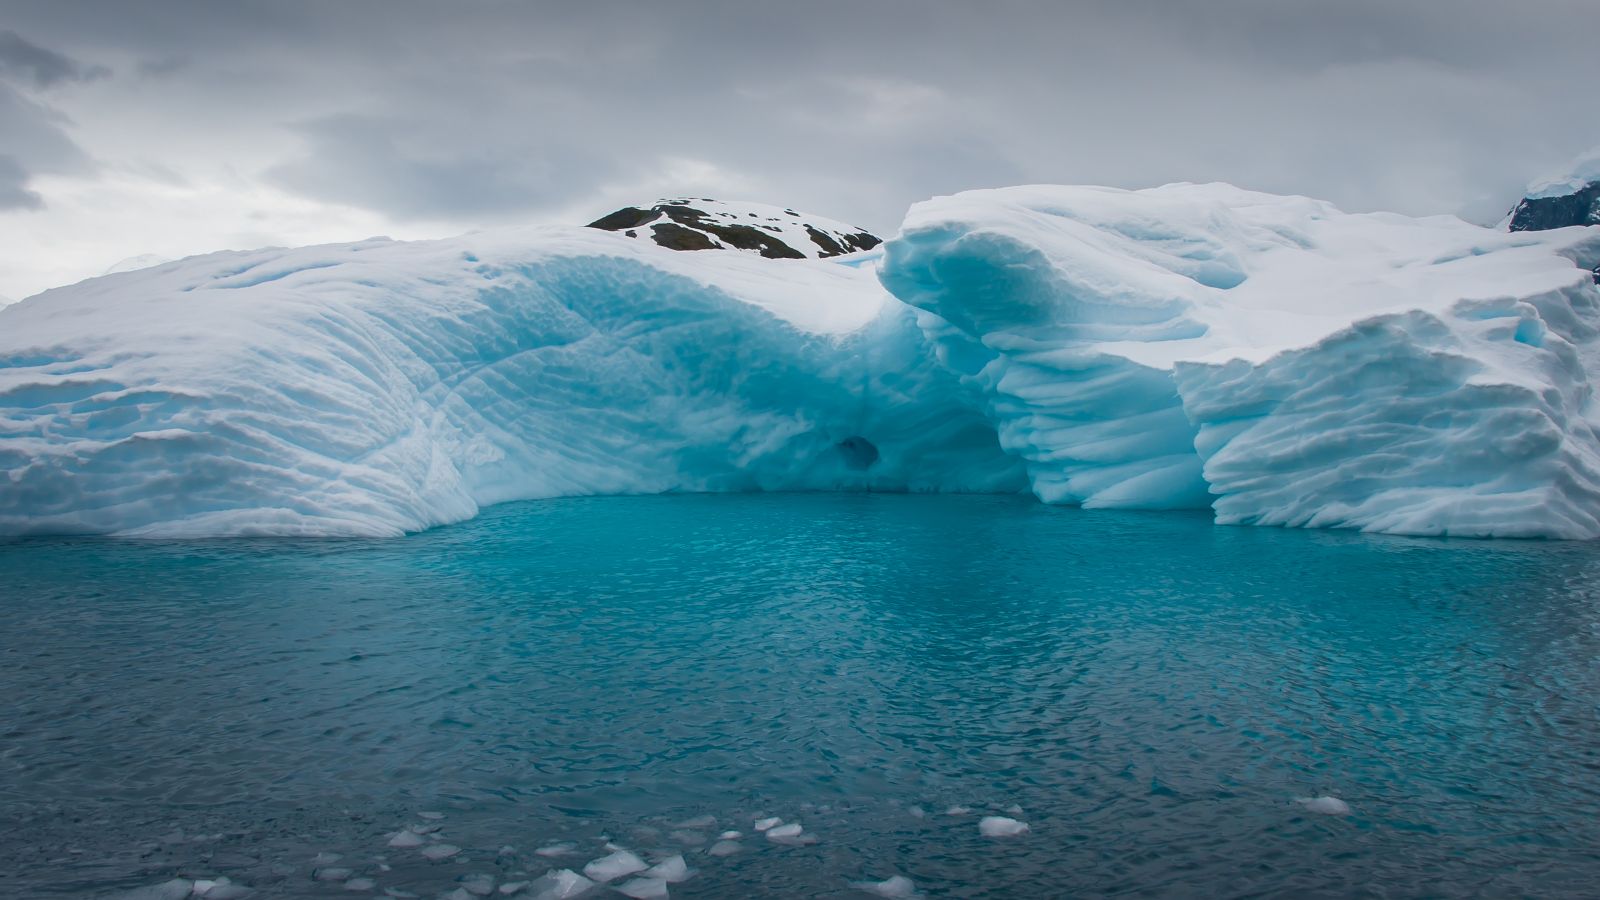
{"points": [[1188, 346], [1274, 358], [384, 387]]}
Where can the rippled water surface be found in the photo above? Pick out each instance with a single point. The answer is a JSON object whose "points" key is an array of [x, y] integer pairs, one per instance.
{"points": [[1151, 691]]}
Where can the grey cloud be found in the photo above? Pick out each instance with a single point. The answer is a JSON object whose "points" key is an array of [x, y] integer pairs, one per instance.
{"points": [[488, 111], [43, 68], [14, 192], [410, 171]]}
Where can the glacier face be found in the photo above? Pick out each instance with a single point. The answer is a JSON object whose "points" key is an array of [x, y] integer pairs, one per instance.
{"points": [[383, 387], [1180, 347], [1273, 357]]}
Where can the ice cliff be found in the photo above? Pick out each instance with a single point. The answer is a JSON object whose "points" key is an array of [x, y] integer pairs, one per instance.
{"points": [[1185, 346]]}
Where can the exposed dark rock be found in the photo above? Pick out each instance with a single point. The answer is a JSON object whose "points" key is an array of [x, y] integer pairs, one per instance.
{"points": [[676, 237], [626, 217], [1543, 213]]}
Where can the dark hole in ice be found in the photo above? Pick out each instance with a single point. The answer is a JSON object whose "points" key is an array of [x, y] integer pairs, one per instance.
{"points": [[858, 452]]}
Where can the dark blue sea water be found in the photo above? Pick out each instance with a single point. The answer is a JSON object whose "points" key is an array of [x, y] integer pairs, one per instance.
{"points": [[1152, 692]]}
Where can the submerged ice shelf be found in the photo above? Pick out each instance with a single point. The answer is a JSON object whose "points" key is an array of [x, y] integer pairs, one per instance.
{"points": [[1180, 347]]}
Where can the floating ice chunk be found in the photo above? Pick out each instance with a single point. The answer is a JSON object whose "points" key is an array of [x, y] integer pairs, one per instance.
{"points": [[407, 838], [1328, 806], [778, 832], [437, 852], [201, 885], [645, 889], [325, 859], [228, 891], [511, 887], [176, 889], [433, 816], [917, 812], [360, 884], [564, 848], [332, 873], [1001, 826], [958, 810], [673, 869], [617, 865], [724, 848], [1014, 809], [766, 824], [730, 835], [478, 884], [422, 829], [696, 822], [559, 884], [896, 887]]}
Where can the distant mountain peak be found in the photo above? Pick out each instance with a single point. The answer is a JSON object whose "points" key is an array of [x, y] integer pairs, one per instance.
{"points": [[685, 223]]}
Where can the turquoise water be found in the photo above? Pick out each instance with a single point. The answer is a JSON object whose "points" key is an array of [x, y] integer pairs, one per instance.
{"points": [[1152, 691]]}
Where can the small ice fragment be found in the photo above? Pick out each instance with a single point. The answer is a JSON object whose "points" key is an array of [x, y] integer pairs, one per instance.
{"points": [[432, 816], [958, 810], [559, 884], [1328, 806], [730, 835], [422, 829], [201, 885], [617, 865], [228, 892], [896, 887], [696, 822], [176, 889], [673, 869], [916, 812], [645, 889], [1014, 809], [331, 873], [724, 848], [779, 832], [436, 852], [478, 885], [325, 859], [1001, 826], [360, 884], [511, 887], [564, 848], [765, 824], [407, 838], [507, 850]]}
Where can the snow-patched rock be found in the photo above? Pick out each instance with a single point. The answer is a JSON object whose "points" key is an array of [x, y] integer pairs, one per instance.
{"points": [[1571, 197], [1280, 360], [383, 387], [771, 231]]}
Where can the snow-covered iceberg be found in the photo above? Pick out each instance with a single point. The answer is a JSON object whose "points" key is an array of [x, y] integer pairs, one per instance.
{"points": [[383, 387], [1272, 357], [1185, 346]]}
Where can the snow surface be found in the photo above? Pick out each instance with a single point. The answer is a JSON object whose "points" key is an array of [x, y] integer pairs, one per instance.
{"points": [[1272, 357], [1179, 347]]}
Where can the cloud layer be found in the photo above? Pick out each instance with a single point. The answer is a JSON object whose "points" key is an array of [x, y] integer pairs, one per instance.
{"points": [[184, 126]]}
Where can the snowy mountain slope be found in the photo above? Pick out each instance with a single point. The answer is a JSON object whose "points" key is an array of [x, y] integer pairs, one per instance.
{"points": [[1282, 360], [703, 224], [383, 387]]}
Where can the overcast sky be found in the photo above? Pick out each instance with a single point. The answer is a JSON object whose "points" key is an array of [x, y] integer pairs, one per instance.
{"points": [[174, 128]]}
